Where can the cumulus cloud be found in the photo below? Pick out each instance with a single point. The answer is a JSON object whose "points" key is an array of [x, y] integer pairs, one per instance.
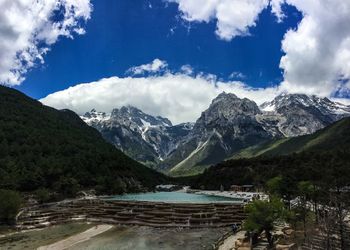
{"points": [[187, 69], [233, 17], [237, 75], [156, 66], [317, 53], [179, 97], [276, 9], [29, 27]]}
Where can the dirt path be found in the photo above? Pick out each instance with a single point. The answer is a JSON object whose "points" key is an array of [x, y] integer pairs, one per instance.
{"points": [[229, 243], [78, 238]]}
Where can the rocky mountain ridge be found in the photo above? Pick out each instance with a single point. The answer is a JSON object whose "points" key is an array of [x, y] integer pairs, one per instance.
{"points": [[146, 138], [300, 114], [229, 125]]}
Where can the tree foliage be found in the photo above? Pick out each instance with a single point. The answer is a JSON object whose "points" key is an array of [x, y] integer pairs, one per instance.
{"points": [[262, 216], [41, 147], [322, 169], [10, 203]]}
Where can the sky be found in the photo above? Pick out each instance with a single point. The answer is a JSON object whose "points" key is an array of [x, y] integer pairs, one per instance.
{"points": [[172, 57]]}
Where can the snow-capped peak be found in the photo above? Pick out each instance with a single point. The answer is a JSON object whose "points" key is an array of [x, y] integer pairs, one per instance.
{"points": [[324, 105], [94, 116]]}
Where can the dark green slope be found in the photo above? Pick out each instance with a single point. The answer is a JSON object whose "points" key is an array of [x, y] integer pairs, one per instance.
{"points": [[321, 157], [322, 167], [335, 136], [43, 147]]}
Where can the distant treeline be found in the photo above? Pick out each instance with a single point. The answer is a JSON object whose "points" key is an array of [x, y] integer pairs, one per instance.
{"points": [[331, 168]]}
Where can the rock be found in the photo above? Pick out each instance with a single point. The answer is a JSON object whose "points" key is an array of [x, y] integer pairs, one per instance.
{"points": [[229, 125], [143, 137], [288, 231], [300, 114], [292, 246]]}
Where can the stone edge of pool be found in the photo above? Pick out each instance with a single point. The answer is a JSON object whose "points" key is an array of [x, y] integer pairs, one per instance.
{"points": [[142, 213]]}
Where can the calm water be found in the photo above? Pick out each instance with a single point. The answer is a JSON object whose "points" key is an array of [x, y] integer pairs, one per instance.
{"points": [[174, 197]]}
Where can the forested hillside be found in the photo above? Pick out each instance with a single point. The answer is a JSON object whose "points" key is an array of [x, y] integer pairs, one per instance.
{"points": [[323, 157], [41, 147]]}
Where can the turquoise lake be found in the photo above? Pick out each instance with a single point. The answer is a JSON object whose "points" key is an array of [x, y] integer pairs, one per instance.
{"points": [[173, 197]]}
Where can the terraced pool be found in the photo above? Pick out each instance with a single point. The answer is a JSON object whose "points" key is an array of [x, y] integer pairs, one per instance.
{"points": [[177, 197]]}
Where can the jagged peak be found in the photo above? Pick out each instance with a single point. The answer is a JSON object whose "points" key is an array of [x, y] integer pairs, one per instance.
{"points": [[286, 99], [127, 112], [224, 96]]}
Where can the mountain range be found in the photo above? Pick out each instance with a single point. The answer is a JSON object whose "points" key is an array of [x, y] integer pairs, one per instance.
{"points": [[146, 138], [231, 127], [42, 147]]}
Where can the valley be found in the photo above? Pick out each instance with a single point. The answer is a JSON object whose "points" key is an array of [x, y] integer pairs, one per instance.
{"points": [[175, 124], [233, 143]]}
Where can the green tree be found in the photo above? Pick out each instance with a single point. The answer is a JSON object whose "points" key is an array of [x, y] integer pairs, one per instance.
{"points": [[10, 203], [262, 216], [67, 186], [43, 195], [282, 187], [302, 209]]}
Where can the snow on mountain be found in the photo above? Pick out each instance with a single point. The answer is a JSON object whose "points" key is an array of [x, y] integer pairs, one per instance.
{"points": [[227, 126], [146, 138], [300, 114], [323, 104], [94, 117]]}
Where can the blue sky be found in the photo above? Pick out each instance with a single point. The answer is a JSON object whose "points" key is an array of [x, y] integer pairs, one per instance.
{"points": [[123, 33], [172, 57]]}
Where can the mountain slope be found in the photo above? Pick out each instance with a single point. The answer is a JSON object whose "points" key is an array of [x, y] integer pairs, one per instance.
{"points": [[143, 137], [227, 126], [299, 114], [323, 155], [335, 136], [44, 147], [234, 128]]}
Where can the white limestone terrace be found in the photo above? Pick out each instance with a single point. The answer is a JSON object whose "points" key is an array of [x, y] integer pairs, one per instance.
{"points": [[248, 196]]}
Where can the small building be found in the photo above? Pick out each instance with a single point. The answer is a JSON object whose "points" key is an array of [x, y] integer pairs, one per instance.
{"points": [[168, 188], [243, 188]]}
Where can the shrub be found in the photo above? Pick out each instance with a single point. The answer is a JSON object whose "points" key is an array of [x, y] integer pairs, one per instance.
{"points": [[43, 195], [10, 203]]}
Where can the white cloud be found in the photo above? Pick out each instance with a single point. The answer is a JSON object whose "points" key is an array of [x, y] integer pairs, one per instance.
{"points": [[27, 30], [155, 66], [317, 53], [276, 9], [187, 69], [237, 75], [179, 97], [233, 17]]}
